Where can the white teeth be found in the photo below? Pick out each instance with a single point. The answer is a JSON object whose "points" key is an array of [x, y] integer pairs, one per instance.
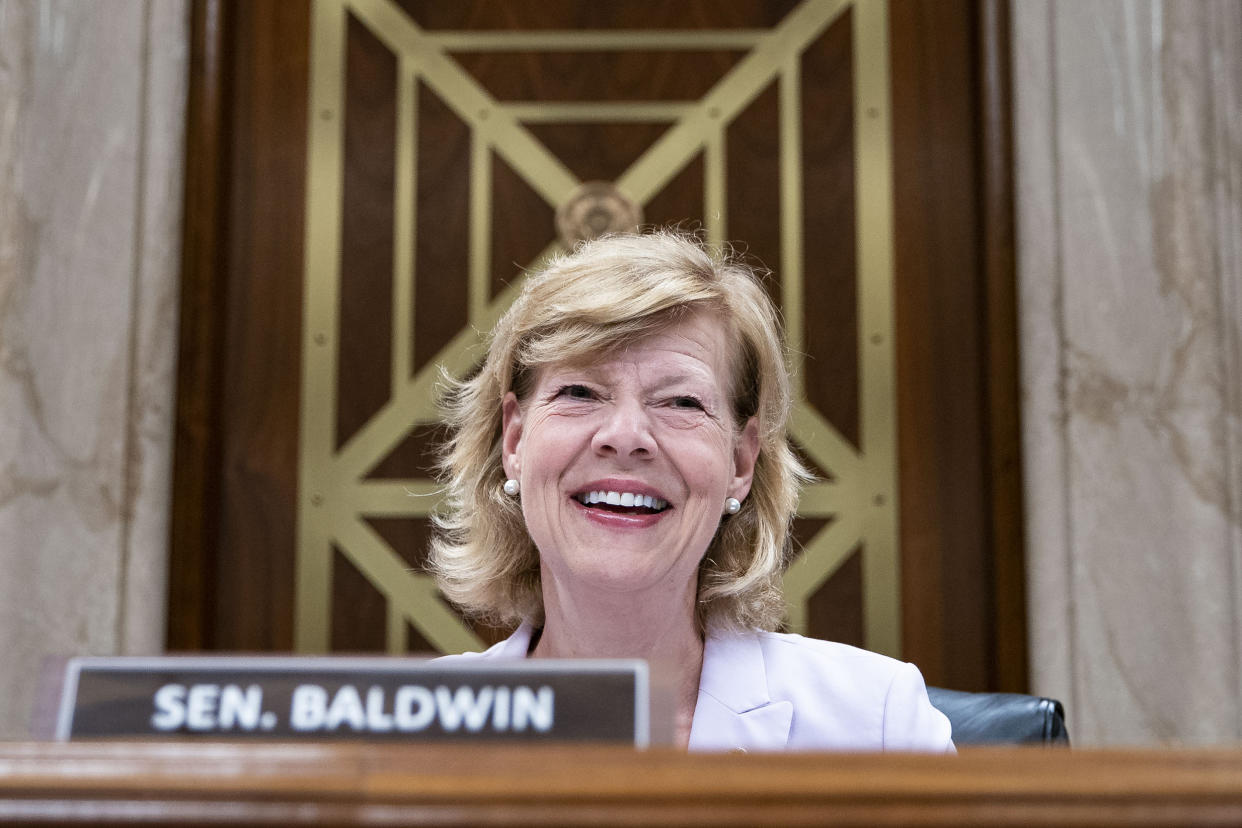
{"points": [[622, 499]]}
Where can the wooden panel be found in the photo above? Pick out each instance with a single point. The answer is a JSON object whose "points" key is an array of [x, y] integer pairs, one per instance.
{"points": [[960, 477], [1003, 369], [442, 257], [194, 517], [598, 151], [358, 783], [367, 230], [233, 536], [237, 410], [834, 611], [262, 341], [829, 225], [363, 628], [598, 76], [939, 394], [753, 164], [514, 246], [681, 200]]}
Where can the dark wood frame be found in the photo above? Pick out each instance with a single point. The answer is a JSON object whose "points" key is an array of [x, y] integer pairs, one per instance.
{"points": [[957, 359], [194, 532], [243, 215], [1002, 350], [975, 641]]}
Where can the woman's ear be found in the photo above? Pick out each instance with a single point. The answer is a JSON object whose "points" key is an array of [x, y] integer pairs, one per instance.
{"points": [[745, 455], [511, 435]]}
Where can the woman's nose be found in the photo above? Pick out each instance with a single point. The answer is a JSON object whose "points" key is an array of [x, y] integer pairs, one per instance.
{"points": [[625, 432]]}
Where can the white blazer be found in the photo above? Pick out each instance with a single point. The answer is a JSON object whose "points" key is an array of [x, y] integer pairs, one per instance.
{"points": [[774, 691]]}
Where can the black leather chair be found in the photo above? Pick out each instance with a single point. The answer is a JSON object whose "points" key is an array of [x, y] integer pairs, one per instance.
{"points": [[1001, 718]]}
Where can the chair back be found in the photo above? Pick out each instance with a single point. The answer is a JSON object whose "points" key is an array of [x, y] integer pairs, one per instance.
{"points": [[1001, 718]]}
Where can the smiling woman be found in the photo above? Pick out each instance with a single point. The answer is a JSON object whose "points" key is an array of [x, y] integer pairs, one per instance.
{"points": [[647, 421], [620, 484], [579, 314]]}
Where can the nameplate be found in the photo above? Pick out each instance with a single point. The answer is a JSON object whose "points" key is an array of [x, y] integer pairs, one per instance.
{"points": [[229, 697]]}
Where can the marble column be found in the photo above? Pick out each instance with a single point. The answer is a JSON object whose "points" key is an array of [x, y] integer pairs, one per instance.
{"points": [[92, 103], [1128, 125]]}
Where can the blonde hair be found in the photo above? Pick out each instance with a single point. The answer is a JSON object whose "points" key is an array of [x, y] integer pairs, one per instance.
{"points": [[609, 292]]}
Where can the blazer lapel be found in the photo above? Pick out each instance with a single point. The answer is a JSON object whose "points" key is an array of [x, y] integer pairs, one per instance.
{"points": [[734, 710]]}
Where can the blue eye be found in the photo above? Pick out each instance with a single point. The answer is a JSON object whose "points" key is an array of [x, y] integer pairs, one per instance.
{"points": [[576, 392]]}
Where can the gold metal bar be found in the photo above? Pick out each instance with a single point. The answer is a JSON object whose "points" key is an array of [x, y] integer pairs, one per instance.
{"points": [[821, 557], [414, 401], [823, 500], [397, 637], [551, 40], [395, 498], [733, 93], [413, 595], [715, 214], [320, 328], [825, 445], [535, 112], [463, 94], [404, 223], [874, 208], [792, 285], [480, 278]]}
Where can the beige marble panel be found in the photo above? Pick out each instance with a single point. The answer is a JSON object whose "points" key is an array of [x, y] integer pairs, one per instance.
{"points": [[153, 358], [1127, 138], [1044, 444], [1225, 44], [89, 148]]}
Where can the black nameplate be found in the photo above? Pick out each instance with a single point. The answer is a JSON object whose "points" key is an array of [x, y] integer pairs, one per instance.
{"points": [[229, 697]]}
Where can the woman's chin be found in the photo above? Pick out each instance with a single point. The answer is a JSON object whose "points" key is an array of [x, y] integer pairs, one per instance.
{"points": [[624, 580]]}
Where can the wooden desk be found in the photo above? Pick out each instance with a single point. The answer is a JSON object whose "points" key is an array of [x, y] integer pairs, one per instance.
{"points": [[360, 784]]}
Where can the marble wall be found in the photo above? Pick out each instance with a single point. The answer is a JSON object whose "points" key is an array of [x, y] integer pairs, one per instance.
{"points": [[1129, 145], [92, 110]]}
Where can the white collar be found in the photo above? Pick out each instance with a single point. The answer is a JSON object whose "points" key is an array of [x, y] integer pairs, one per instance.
{"points": [[734, 709]]}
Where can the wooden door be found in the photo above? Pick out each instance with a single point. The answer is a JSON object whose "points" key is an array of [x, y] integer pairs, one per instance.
{"points": [[369, 178]]}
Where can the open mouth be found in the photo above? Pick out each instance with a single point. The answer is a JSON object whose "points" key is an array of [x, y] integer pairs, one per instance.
{"points": [[627, 503]]}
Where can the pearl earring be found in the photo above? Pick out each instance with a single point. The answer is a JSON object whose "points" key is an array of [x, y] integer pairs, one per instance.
{"points": [[511, 487], [732, 505]]}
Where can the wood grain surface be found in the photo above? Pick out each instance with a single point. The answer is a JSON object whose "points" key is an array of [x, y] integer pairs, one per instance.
{"points": [[361, 784]]}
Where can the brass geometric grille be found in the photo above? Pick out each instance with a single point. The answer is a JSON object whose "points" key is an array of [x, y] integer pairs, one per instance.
{"points": [[335, 497]]}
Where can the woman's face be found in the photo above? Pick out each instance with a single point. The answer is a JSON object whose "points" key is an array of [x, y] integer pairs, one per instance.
{"points": [[625, 462]]}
